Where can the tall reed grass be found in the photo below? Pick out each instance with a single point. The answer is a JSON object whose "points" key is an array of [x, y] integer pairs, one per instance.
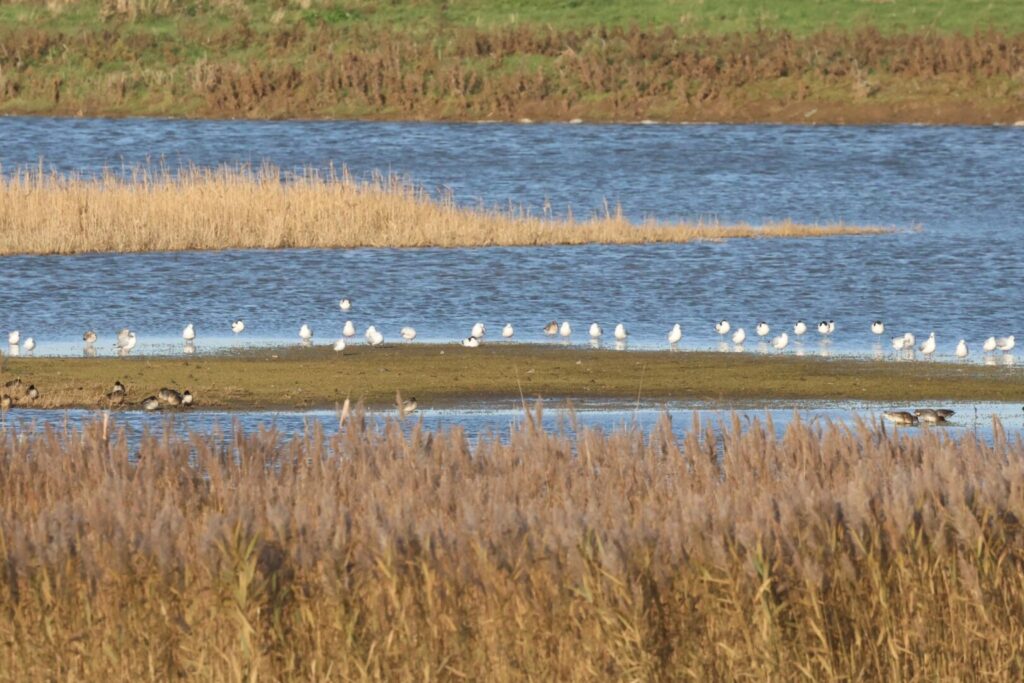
{"points": [[195, 208], [827, 553]]}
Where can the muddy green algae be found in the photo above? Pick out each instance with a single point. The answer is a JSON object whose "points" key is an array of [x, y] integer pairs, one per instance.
{"points": [[447, 375]]}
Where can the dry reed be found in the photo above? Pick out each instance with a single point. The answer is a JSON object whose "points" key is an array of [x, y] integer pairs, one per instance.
{"points": [[827, 553], [195, 208]]}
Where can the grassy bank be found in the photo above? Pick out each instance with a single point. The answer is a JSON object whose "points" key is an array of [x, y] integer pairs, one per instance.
{"points": [[826, 554], [225, 208], [444, 375], [785, 60]]}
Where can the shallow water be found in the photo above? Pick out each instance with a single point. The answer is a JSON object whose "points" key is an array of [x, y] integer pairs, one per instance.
{"points": [[964, 186], [498, 419]]}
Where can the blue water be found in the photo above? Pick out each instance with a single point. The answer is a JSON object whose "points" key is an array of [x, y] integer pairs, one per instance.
{"points": [[958, 275], [499, 419]]}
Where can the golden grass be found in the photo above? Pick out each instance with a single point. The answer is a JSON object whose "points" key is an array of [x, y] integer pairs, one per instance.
{"points": [[157, 210], [829, 553]]}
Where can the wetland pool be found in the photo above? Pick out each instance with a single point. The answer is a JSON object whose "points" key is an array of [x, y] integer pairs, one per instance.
{"points": [[958, 275]]}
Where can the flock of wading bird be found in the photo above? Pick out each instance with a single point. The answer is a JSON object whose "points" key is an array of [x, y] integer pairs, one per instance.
{"points": [[906, 342], [15, 391]]}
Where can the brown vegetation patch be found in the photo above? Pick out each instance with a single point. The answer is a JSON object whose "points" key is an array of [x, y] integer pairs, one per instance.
{"points": [[829, 553], [46, 213], [465, 73]]}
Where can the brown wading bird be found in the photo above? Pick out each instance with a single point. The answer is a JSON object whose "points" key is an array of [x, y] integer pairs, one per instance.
{"points": [[169, 396], [6, 402], [117, 395], [409, 407], [13, 385], [900, 417], [150, 403], [32, 392], [933, 416]]}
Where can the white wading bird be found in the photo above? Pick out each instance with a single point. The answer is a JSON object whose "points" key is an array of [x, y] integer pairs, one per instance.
{"points": [[989, 345], [961, 349], [339, 345], [478, 331], [349, 330], [762, 329], [739, 336], [620, 332], [238, 326], [595, 331], [675, 334], [305, 334], [566, 329], [189, 333], [345, 304], [126, 343], [878, 327], [781, 341], [928, 347], [800, 328], [507, 331], [14, 338], [471, 342], [722, 327], [1003, 343], [408, 333], [374, 337]]}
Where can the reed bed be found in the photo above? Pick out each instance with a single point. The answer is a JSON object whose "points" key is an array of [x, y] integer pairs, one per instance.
{"points": [[264, 208], [826, 553]]}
